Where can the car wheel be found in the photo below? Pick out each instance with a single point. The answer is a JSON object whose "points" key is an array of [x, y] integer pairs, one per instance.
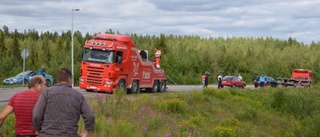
{"points": [[244, 86], [24, 82], [48, 83], [233, 86]]}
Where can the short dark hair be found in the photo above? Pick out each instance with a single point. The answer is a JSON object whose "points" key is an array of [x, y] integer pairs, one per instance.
{"points": [[63, 75], [34, 81]]}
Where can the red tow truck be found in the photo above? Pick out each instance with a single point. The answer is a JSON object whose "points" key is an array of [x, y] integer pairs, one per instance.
{"points": [[111, 61], [299, 77]]}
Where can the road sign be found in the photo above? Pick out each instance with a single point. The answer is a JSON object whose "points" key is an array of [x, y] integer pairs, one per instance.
{"points": [[25, 53]]}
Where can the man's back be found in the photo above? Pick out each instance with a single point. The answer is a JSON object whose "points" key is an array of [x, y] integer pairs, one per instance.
{"points": [[62, 107], [23, 104]]}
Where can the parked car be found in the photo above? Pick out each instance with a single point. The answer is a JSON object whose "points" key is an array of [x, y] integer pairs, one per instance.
{"points": [[24, 77], [232, 81], [269, 81]]}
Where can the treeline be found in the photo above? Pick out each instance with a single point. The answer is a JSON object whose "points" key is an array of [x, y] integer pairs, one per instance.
{"points": [[183, 57]]}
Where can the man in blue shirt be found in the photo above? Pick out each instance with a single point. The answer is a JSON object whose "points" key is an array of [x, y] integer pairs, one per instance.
{"points": [[262, 80]]}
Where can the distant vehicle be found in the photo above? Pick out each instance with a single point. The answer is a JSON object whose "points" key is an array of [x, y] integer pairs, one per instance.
{"points": [[299, 77], [24, 77], [232, 81], [270, 81]]}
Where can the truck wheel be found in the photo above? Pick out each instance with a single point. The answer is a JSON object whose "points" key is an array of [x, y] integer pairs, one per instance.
{"points": [[135, 88], [155, 86], [163, 86], [122, 84]]}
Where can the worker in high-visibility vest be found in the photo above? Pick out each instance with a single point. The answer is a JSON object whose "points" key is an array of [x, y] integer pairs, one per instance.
{"points": [[157, 57]]}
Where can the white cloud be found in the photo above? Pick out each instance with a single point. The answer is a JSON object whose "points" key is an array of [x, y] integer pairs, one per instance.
{"points": [[281, 19]]}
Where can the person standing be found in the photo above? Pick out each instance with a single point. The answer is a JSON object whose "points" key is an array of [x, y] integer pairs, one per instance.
{"points": [[22, 105], [203, 78], [58, 110], [262, 80], [219, 79], [42, 71], [157, 57], [207, 78], [240, 77]]}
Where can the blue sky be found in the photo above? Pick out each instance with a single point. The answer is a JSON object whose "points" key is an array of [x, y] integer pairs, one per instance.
{"points": [[216, 18]]}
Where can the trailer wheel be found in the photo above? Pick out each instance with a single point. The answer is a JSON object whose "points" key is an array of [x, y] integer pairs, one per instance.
{"points": [[135, 88], [163, 86], [122, 84], [155, 86]]}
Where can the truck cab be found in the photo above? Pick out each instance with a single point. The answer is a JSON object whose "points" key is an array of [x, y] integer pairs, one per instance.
{"points": [[112, 61]]}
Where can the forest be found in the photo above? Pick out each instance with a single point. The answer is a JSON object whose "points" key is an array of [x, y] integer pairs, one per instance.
{"points": [[184, 58]]}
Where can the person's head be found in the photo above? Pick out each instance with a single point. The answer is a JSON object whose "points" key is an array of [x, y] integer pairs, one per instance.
{"points": [[42, 67], [64, 75], [37, 83]]}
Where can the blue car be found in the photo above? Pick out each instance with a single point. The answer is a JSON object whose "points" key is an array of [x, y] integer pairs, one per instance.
{"points": [[24, 77]]}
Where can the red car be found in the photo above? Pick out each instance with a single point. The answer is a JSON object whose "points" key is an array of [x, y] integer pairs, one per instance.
{"points": [[232, 81]]}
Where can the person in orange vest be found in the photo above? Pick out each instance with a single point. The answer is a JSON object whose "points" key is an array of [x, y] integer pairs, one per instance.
{"points": [[157, 57], [203, 78]]}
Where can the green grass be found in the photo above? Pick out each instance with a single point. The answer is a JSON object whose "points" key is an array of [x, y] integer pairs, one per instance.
{"points": [[12, 86], [285, 112]]}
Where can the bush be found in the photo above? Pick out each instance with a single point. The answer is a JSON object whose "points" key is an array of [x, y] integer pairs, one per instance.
{"points": [[230, 128], [297, 103], [248, 115], [174, 105]]}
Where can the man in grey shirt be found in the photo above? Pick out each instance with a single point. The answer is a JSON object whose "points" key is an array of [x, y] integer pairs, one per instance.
{"points": [[58, 109]]}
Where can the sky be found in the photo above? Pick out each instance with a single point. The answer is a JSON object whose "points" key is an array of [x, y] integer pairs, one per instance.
{"points": [[298, 19]]}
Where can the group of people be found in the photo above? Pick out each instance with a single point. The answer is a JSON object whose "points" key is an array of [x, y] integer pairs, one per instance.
{"points": [[49, 112], [205, 75], [205, 79]]}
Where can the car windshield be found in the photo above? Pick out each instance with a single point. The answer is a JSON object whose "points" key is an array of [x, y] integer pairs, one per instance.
{"points": [[269, 79], [96, 55], [23, 73], [227, 78]]}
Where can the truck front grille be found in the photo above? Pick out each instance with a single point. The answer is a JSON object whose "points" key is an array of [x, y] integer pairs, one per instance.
{"points": [[94, 75]]}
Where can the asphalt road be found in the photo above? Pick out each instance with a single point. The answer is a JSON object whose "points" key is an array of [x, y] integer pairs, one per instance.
{"points": [[7, 93]]}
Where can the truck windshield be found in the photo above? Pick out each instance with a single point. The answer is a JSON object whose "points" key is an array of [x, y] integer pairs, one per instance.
{"points": [[98, 55]]}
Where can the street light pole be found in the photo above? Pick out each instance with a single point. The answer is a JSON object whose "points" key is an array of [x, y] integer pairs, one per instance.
{"points": [[72, 64]]}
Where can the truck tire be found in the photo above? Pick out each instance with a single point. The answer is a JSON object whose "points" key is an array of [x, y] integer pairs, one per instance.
{"points": [[122, 84], [135, 88], [155, 86], [163, 86]]}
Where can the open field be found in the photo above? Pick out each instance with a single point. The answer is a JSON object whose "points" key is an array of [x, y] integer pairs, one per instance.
{"points": [[211, 112]]}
